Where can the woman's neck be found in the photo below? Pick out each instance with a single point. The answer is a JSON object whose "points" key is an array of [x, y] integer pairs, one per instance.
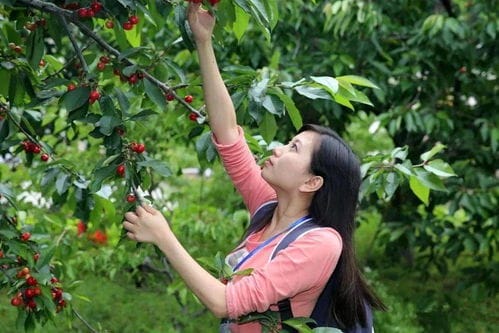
{"points": [[286, 212]]}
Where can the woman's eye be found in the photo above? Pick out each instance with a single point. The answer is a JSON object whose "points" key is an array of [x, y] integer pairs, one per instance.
{"points": [[293, 146]]}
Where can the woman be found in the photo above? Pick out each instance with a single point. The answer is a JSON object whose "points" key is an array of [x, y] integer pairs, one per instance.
{"points": [[315, 176]]}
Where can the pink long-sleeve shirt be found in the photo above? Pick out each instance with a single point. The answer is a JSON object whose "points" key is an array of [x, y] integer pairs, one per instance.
{"points": [[298, 272]]}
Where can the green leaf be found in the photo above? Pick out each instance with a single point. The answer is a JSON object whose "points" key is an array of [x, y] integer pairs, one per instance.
{"points": [[181, 19], [312, 92], [155, 94], [35, 48], [294, 113], [159, 166], [143, 114], [343, 101], [402, 168], [330, 84], [300, 324], [429, 154], [273, 104], [419, 189], [357, 80], [7, 193], [75, 99], [268, 127], [439, 168], [100, 175], [327, 330], [45, 256], [241, 23], [107, 124], [62, 183]]}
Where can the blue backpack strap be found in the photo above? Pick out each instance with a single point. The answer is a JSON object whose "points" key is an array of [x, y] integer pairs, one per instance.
{"points": [[284, 305], [321, 312]]}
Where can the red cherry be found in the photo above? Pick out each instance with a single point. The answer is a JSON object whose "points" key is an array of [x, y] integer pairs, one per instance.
{"points": [[16, 301], [120, 170], [101, 66], [24, 271], [130, 198], [96, 6], [133, 146], [56, 293], [18, 49], [71, 87], [214, 2], [54, 280], [61, 303], [109, 24], [44, 157], [90, 12], [25, 236], [29, 293], [83, 12], [1, 254], [127, 25], [37, 291], [36, 256], [104, 59], [36, 149], [31, 281], [193, 116], [140, 148], [133, 79], [133, 19], [117, 72], [31, 304], [94, 95], [170, 97], [188, 98], [42, 22], [42, 63]]}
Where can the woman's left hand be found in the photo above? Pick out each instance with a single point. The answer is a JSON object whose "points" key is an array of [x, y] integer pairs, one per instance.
{"points": [[146, 224]]}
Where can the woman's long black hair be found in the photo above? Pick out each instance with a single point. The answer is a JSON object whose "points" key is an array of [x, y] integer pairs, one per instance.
{"points": [[334, 205]]}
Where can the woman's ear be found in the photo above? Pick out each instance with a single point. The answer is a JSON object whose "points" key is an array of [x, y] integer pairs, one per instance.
{"points": [[313, 184]]}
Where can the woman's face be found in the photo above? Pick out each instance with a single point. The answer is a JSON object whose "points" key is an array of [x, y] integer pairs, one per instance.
{"points": [[289, 166]]}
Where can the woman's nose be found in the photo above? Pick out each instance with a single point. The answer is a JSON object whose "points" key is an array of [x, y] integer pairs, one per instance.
{"points": [[277, 151]]}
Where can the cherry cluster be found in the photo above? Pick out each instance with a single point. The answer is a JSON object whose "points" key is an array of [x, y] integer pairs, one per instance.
{"points": [[30, 290], [16, 48], [89, 12], [103, 61], [139, 148], [132, 21], [32, 26], [132, 79], [33, 148]]}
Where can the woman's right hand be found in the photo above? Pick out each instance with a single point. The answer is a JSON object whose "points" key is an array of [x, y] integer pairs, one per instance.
{"points": [[201, 22]]}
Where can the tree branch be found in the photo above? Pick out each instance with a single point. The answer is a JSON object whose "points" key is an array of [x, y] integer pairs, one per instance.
{"points": [[75, 44]]}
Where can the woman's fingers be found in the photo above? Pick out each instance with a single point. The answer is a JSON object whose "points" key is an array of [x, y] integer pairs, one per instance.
{"points": [[131, 216], [150, 209]]}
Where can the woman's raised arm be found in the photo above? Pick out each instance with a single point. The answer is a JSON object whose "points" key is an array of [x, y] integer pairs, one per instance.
{"points": [[221, 113]]}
